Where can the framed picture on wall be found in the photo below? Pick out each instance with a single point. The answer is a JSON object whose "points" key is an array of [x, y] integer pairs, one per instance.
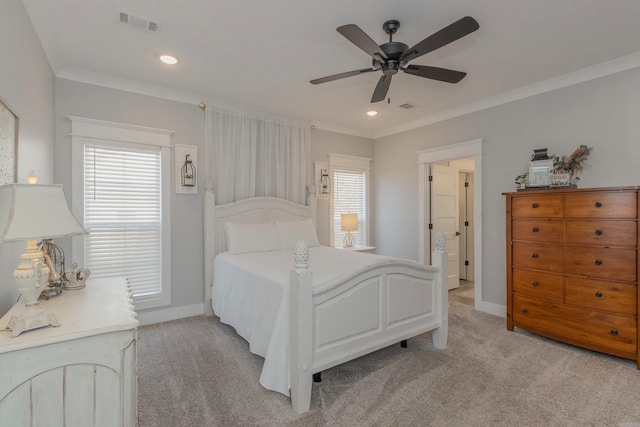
{"points": [[8, 144]]}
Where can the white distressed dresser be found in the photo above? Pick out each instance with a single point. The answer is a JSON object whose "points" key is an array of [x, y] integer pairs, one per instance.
{"points": [[82, 373]]}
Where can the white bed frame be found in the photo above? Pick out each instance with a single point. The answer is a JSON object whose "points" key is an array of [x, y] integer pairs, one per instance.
{"points": [[366, 310]]}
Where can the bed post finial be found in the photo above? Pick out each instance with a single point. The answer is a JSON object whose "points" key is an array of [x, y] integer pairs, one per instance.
{"points": [[301, 256], [440, 241]]}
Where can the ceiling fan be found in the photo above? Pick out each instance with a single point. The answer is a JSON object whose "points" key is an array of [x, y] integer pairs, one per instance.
{"points": [[393, 56]]}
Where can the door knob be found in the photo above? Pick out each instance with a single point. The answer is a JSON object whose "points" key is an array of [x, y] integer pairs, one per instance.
{"points": [[457, 233]]}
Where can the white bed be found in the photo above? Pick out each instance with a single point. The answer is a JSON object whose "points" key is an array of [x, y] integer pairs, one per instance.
{"points": [[301, 316]]}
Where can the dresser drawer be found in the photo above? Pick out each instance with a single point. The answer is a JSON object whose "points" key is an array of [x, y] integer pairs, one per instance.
{"points": [[540, 256], [538, 284], [614, 297], [599, 262], [602, 232], [601, 205], [589, 329], [538, 230], [536, 206]]}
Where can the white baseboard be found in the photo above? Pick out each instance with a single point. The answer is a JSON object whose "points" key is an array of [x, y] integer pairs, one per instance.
{"points": [[149, 317], [491, 308]]}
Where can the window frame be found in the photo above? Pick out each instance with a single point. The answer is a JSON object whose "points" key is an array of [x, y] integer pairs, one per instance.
{"points": [[351, 164], [125, 136]]}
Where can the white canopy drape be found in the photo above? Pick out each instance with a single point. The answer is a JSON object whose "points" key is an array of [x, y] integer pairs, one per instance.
{"points": [[252, 156]]}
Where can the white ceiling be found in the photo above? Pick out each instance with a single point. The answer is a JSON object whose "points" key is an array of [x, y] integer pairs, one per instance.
{"points": [[262, 54]]}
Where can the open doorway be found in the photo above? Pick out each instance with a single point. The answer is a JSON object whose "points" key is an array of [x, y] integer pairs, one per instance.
{"points": [[471, 150], [451, 199]]}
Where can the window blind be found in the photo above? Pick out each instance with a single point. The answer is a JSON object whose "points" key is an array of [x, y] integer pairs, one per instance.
{"points": [[123, 214], [349, 196]]}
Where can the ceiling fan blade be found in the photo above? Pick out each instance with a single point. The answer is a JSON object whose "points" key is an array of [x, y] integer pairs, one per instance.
{"points": [[380, 93], [341, 76], [355, 35], [448, 34], [435, 73]]}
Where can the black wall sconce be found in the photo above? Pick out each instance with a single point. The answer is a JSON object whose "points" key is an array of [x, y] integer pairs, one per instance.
{"points": [[188, 172], [325, 182]]}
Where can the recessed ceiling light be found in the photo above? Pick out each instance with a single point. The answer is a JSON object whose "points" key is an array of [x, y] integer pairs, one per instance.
{"points": [[372, 113], [168, 59]]}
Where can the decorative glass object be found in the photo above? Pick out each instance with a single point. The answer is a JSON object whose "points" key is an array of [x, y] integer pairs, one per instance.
{"points": [[539, 171]]}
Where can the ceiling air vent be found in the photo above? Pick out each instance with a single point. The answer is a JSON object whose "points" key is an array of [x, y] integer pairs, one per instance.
{"points": [[138, 22], [407, 106]]}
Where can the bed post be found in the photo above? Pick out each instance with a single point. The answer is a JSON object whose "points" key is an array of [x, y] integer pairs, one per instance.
{"points": [[439, 259], [209, 243], [301, 327]]}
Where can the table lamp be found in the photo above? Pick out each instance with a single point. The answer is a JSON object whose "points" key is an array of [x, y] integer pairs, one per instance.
{"points": [[349, 223], [32, 213]]}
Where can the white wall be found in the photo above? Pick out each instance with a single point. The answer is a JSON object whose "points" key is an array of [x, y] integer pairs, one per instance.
{"points": [[602, 113], [26, 84]]}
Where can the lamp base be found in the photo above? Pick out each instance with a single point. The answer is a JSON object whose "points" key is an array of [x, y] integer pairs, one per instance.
{"points": [[348, 240], [32, 318]]}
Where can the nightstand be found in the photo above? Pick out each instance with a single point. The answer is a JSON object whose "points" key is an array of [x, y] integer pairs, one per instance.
{"points": [[366, 249], [82, 372]]}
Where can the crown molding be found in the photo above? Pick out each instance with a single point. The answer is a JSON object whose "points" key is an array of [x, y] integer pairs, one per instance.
{"points": [[590, 73]]}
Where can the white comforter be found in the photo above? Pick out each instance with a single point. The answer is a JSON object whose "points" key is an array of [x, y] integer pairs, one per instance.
{"points": [[251, 293]]}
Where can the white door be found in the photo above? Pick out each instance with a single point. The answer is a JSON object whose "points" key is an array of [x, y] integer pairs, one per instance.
{"points": [[444, 215]]}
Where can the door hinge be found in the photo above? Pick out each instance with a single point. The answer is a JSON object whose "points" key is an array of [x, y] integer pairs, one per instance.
{"points": [[430, 178], [466, 263], [466, 223], [466, 184], [430, 226]]}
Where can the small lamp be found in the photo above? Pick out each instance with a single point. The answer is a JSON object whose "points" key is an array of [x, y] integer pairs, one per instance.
{"points": [[188, 172], [325, 182], [349, 223], [31, 213]]}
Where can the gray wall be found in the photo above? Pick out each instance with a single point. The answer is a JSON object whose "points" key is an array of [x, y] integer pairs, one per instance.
{"points": [[602, 113], [26, 85], [187, 121], [323, 143]]}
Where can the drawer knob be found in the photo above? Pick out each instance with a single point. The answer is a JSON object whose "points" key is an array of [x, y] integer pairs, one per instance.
{"points": [[534, 205], [598, 294], [535, 229], [598, 232], [534, 283], [598, 204], [598, 262], [614, 332], [523, 309], [534, 255]]}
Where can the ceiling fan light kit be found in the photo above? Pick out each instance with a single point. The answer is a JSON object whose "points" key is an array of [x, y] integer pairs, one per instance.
{"points": [[392, 57]]}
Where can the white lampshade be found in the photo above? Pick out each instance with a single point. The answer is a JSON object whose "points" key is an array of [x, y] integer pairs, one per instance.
{"points": [[349, 222], [35, 212]]}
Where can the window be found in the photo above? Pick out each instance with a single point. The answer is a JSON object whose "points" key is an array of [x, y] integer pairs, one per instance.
{"points": [[120, 190], [350, 194]]}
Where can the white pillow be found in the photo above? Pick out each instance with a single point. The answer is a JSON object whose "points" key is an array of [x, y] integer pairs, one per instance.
{"points": [[291, 232], [244, 238]]}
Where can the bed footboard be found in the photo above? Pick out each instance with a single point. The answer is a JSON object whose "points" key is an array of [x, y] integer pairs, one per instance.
{"points": [[373, 309]]}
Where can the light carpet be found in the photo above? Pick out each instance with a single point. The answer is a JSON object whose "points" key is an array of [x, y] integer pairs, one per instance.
{"points": [[198, 372]]}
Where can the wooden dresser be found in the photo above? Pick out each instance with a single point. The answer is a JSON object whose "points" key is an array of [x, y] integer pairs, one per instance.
{"points": [[81, 373], [572, 266]]}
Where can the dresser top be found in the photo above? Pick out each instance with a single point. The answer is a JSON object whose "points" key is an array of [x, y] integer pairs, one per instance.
{"points": [[103, 306], [531, 190]]}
